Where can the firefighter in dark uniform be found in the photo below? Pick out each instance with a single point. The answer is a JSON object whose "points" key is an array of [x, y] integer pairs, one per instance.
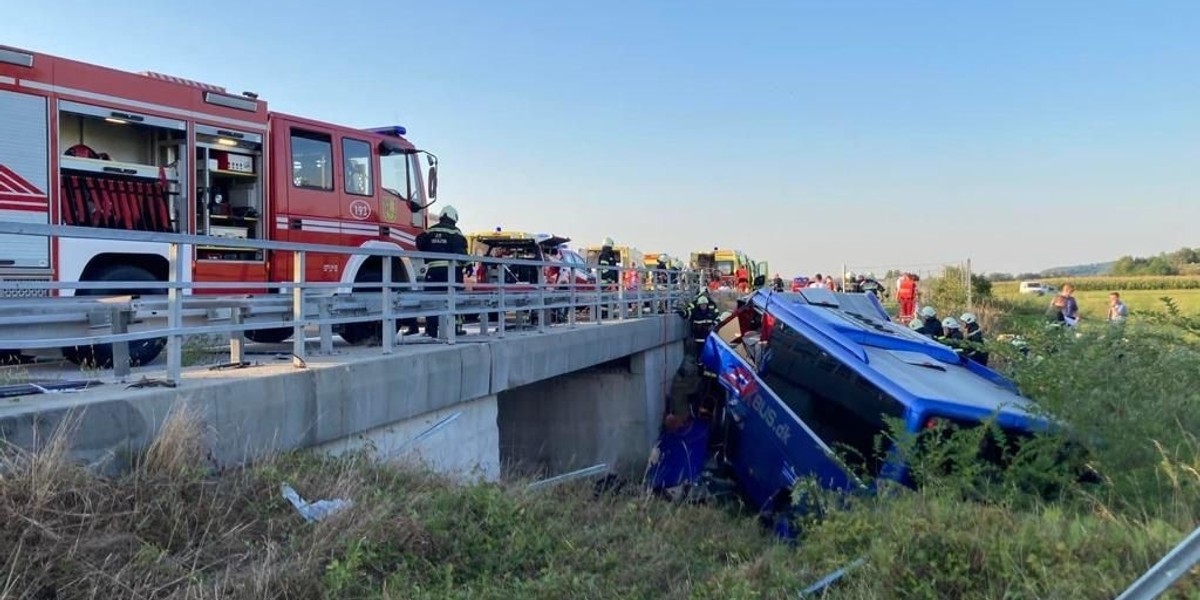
{"points": [[930, 325], [446, 238], [975, 347], [608, 258], [701, 316]]}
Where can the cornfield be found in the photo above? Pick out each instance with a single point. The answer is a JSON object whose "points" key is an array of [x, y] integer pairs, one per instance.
{"points": [[1114, 284]]}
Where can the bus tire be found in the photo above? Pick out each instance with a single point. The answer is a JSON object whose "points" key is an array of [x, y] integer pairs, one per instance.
{"points": [[141, 352]]}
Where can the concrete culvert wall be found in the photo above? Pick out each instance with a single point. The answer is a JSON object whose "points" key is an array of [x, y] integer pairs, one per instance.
{"points": [[601, 415]]}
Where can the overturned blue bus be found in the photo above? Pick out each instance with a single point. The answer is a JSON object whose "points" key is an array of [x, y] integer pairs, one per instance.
{"points": [[802, 374]]}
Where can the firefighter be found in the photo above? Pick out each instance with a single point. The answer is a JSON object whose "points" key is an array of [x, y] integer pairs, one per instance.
{"points": [[852, 284], [608, 258], [702, 317], [777, 283], [868, 284], [951, 330], [446, 238], [974, 334], [930, 325]]}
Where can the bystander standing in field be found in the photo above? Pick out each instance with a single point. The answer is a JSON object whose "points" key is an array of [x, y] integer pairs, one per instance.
{"points": [[1117, 311], [1064, 309]]}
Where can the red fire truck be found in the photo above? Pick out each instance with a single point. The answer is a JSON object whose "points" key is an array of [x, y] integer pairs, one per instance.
{"points": [[90, 146]]}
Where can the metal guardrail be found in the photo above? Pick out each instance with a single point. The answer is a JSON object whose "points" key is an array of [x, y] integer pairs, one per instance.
{"points": [[191, 308], [1177, 563]]}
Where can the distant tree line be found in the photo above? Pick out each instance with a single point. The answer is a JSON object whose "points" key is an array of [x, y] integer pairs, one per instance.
{"points": [[1184, 261]]}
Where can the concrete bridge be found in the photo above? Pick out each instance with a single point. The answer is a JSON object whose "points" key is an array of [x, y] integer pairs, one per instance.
{"points": [[546, 402]]}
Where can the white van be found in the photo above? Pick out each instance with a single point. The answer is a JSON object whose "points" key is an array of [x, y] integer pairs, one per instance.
{"points": [[1033, 287]]}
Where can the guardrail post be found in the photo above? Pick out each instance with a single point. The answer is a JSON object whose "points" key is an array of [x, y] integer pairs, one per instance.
{"points": [[571, 317], [501, 314], [177, 263], [542, 313], [237, 337], [326, 329], [449, 325], [639, 283], [298, 342], [389, 317], [120, 324], [622, 309]]}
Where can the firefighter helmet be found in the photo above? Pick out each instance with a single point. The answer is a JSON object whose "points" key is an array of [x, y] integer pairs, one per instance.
{"points": [[968, 318], [929, 312], [607, 243], [450, 214], [950, 323], [914, 324], [702, 301]]}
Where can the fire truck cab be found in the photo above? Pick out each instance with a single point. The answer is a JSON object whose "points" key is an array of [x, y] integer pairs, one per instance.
{"points": [[90, 146]]}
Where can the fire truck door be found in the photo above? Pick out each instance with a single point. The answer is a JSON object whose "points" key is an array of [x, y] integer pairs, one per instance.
{"points": [[360, 210], [24, 178], [313, 210]]}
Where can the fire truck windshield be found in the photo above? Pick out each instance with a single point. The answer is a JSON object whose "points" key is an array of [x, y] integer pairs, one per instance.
{"points": [[725, 267], [401, 177]]}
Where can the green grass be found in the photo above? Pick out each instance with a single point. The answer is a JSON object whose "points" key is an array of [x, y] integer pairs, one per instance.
{"points": [[1094, 304]]}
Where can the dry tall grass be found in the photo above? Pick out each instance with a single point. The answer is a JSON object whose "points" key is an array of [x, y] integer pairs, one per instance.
{"points": [[172, 528]]}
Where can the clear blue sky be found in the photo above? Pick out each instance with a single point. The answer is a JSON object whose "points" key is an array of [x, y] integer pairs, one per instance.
{"points": [[1022, 135]]}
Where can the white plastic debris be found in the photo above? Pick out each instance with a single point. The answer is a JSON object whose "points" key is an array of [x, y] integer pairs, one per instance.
{"points": [[313, 511]]}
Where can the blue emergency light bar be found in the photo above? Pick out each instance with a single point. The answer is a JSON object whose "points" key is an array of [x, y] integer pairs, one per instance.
{"points": [[393, 131]]}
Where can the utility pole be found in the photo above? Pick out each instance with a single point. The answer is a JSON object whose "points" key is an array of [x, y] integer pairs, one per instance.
{"points": [[970, 304]]}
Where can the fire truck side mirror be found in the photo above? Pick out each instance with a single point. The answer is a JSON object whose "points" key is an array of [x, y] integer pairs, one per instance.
{"points": [[432, 178]]}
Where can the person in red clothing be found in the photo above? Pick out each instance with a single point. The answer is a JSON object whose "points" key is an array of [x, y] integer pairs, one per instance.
{"points": [[906, 293]]}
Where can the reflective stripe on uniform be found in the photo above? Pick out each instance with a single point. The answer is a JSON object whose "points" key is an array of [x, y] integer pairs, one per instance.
{"points": [[437, 263]]}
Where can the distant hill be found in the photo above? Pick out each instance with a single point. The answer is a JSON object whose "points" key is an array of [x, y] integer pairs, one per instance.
{"points": [[1088, 270]]}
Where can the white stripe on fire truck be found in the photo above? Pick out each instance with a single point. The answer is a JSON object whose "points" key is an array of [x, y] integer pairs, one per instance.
{"points": [[8, 80], [325, 226], [11, 183], [43, 205], [191, 114]]}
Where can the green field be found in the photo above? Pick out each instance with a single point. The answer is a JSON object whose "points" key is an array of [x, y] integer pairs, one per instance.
{"points": [[1094, 304]]}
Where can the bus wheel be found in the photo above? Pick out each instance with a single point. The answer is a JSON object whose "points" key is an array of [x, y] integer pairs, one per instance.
{"points": [[141, 352]]}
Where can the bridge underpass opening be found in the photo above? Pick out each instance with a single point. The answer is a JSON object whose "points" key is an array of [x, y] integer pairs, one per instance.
{"points": [[610, 413]]}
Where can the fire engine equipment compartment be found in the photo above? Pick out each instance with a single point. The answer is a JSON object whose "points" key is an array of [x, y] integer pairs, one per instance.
{"points": [[229, 191], [119, 168]]}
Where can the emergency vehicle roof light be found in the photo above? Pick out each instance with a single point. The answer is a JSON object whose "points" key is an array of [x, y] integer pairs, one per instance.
{"points": [[393, 130], [15, 57]]}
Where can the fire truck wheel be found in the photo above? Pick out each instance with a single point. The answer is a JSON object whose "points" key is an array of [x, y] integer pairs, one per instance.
{"points": [[269, 336], [141, 352], [357, 334]]}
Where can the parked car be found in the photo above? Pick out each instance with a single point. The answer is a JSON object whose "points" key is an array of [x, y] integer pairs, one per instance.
{"points": [[1036, 288]]}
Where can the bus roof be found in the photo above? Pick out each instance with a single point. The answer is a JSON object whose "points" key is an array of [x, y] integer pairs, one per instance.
{"points": [[918, 372]]}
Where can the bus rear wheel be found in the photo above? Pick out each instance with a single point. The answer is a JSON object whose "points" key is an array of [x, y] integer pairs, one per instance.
{"points": [[141, 352]]}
